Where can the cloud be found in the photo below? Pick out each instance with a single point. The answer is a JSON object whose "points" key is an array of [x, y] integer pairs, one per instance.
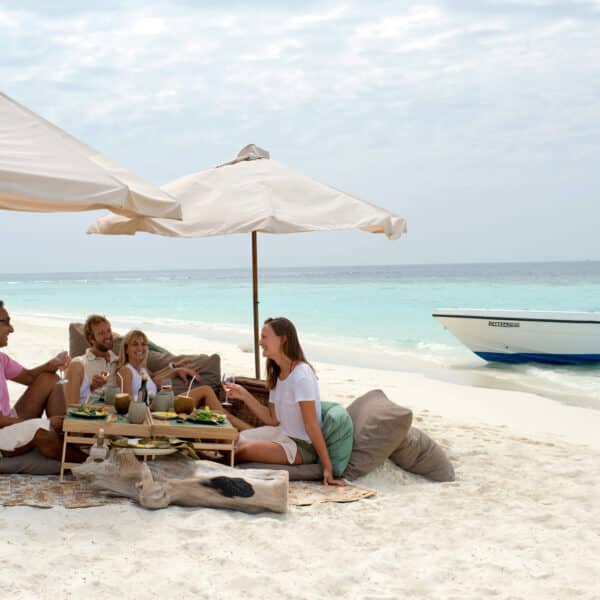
{"points": [[425, 91]]}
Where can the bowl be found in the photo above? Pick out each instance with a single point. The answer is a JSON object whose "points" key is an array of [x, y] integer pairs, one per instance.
{"points": [[184, 404], [122, 401]]}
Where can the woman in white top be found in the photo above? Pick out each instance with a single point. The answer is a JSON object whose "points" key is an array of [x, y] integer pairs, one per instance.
{"points": [[132, 365], [292, 432]]}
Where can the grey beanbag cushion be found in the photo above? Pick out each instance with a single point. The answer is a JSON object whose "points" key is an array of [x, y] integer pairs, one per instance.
{"points": [[418, 453], [306, 472], [30, 463], [379, 427], [208, 366]]}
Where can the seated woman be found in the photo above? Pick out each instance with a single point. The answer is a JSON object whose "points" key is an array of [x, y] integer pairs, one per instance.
{"points": [[292, 431], [132, 365]]}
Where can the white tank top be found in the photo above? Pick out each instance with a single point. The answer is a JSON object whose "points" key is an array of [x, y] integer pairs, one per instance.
{"points": [[84, 390], [136, 381]]}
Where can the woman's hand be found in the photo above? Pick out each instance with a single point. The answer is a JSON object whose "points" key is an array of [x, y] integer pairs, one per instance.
{"points": [[185, 373], [236, 391], [328, 478]]}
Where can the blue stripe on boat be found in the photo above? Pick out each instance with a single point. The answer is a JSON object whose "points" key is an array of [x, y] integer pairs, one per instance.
{"points": [[555, 359]]}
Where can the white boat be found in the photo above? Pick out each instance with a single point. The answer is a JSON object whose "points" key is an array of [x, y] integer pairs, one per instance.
{"points": [[517, 336]]}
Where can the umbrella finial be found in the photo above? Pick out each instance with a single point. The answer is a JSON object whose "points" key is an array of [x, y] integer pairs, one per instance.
{"points": [[249, 152], [252, 152]]}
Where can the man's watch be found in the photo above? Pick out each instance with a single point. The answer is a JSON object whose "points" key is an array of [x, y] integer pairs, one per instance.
{"points": [[172, 365]]}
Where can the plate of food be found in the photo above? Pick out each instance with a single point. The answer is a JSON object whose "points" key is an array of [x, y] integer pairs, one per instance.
{"points": [[164, 415], [146, 446], [205, 417], [88, 412]]}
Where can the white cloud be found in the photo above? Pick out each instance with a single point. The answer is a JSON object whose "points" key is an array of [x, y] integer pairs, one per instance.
{"points": [[149, 26], [446, 87]]}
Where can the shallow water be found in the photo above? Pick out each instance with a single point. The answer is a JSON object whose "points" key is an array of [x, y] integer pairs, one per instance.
{"points": [[376, 316]]}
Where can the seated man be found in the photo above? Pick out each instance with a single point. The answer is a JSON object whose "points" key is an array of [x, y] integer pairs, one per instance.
{"points": [[23, 428], [90, 372]]}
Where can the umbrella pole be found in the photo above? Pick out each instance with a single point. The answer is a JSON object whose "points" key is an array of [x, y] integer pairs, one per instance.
{"points": [[255, 303]]}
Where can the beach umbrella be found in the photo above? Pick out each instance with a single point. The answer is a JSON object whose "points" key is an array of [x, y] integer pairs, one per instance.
{"points": [[44, 169], [254, 194]]}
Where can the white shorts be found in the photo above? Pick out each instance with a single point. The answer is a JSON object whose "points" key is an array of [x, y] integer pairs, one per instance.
{"points": [[20, 434], [270, 434]]}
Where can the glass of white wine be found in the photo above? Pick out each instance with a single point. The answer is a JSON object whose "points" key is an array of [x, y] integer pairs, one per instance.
{"points": [[227, 379], [63, 355]]}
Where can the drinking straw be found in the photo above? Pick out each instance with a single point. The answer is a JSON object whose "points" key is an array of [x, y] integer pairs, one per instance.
{"points": [[190, 386], [119, 376]]}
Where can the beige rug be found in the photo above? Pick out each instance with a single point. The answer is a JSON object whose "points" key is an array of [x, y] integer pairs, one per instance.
{"points": [[47, 492]]}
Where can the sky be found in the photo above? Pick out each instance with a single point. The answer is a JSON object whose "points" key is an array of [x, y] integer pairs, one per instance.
{"points": [[478, 121]]}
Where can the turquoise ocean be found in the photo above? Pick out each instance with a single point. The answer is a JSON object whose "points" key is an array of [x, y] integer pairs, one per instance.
{"points": [[373, 316]]}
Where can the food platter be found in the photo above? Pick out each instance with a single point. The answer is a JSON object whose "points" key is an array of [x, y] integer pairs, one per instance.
{"points": [[164, 415], [205, 417], [147, 446], [88, 412]]}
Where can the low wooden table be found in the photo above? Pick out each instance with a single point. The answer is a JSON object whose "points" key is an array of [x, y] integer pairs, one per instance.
{"points": [[83, 431], [205, 437]]}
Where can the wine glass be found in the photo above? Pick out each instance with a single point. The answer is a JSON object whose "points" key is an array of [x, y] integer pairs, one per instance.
{"points": [[63, 355], [227, 379]]}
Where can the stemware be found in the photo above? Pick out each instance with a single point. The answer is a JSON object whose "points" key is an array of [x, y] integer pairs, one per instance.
{"points": [[64, 356], [227, 379]]}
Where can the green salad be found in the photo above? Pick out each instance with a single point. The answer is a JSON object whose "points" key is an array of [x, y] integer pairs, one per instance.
{"points": [[89, 411], [206, 414]]}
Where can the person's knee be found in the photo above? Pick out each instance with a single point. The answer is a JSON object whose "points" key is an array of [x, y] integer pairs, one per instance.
{"points": [[241, 453], [46, 380], [204, 395], [47, 443]]}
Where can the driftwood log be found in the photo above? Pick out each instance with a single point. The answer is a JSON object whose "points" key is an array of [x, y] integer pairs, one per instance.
{"points": [[180, 480]]}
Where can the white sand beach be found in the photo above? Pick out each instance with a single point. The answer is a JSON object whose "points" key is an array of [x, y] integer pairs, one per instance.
{"points": [[520, 521]]}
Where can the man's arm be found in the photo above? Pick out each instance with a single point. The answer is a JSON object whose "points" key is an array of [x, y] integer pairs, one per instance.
{"points": [[28, 376]]}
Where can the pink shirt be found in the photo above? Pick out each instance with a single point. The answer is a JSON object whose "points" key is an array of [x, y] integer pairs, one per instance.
{"points": [[9, 368]]}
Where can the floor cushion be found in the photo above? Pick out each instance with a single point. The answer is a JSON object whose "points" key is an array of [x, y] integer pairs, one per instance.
{"points": [[30, 463], [208, 366], [380, 426], [307, 472], [418, 453], [78, 344], [338, 432]]}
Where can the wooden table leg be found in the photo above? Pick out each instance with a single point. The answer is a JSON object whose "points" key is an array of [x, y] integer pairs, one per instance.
{"points": [[232, 462], [62, 461]]}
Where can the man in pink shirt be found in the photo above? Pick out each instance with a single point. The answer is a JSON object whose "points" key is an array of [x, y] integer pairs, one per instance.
{"points": [[23, 428]]}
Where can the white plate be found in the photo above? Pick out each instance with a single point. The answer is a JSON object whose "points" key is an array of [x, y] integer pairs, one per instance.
{"points": [[153, 451]]}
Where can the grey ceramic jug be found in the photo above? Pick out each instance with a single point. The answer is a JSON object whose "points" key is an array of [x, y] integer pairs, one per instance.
{"points": [[137, 412]]}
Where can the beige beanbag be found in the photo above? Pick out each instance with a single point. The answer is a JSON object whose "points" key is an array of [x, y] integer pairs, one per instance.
{"points": [[208, 366], [379, 427], [419, 454], [382, 429]]}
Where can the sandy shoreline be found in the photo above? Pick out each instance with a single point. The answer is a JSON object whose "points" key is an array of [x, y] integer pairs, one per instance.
{"points": [[519, 522]]}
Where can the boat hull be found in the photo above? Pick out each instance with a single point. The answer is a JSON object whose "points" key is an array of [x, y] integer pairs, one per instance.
{"points": [[526, 336]]}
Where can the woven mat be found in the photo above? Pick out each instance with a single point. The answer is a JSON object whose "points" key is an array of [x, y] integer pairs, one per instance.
{"points": [[47, 492]]}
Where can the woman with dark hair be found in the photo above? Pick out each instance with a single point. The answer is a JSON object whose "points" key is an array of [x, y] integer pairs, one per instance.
{"points": [[292, 431]]}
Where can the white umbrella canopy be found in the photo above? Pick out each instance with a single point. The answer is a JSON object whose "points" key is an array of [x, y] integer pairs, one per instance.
{"points": [[44, 169], [253, 194]]}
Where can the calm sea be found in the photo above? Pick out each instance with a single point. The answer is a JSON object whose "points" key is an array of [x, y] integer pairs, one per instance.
{"points": [[371, 316]]}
